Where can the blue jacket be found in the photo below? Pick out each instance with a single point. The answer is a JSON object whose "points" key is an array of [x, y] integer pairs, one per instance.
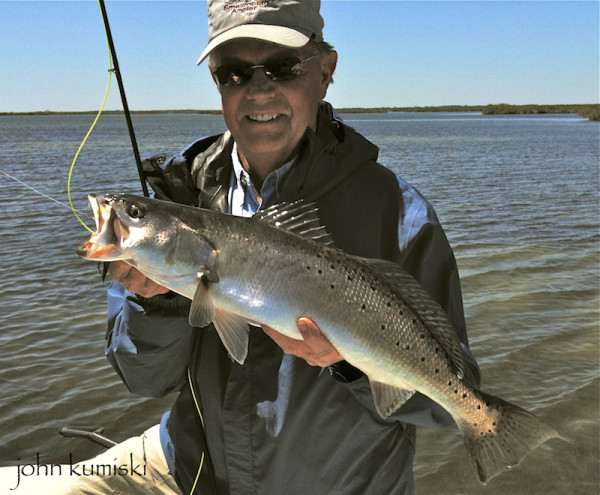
{"points": [[277, 425]]}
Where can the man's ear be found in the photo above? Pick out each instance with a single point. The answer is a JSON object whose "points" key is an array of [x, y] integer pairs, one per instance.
{"points": [[328, 68]]}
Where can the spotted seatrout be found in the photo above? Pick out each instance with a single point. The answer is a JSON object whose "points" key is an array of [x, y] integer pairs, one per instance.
{"points": [[278, 266]]}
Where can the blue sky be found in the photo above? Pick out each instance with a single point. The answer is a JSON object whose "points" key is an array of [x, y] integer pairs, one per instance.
{"points": [[392, 53]]}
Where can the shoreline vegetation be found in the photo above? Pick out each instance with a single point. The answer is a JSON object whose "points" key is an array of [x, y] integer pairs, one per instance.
{"points": [[588, 111]]}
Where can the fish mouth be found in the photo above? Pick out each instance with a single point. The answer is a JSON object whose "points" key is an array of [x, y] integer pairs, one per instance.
{"points": [[105, 243]]}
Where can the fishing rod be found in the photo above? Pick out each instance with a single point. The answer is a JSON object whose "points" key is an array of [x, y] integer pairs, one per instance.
{"points": [[117, 73]]}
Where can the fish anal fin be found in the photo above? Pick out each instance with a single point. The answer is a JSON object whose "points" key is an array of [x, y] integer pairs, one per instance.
{"points": [[388, 398], [233, 331]]}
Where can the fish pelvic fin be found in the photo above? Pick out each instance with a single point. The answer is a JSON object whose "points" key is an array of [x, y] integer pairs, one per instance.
{"points": [[388, 398], [506, 435], [233, 331]]}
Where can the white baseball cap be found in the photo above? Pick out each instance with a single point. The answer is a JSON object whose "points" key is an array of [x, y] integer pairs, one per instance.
{"points": [[291, 23]]}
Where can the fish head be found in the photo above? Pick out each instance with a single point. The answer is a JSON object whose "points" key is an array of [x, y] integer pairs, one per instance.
{"points": [[126, 227]]}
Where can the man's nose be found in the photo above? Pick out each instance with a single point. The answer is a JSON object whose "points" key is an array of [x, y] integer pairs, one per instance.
{"points": [[260, 84]]}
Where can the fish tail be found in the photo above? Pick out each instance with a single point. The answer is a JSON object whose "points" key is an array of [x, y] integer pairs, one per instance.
{"points": [[503, 437]]}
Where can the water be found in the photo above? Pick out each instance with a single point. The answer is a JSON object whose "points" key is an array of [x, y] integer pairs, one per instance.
{"points": [[518, 196]]}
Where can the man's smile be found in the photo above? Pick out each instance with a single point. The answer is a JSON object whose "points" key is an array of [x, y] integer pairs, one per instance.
{"points": [[263, 117]]}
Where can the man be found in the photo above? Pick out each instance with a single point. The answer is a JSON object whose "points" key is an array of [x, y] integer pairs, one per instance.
{"points": [[295, 418]]}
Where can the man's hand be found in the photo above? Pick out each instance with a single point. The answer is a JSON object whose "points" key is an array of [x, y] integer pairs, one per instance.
{"points": [[315, 349], [133, 280]]}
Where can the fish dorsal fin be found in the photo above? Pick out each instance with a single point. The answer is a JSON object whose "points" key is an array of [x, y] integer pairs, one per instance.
{"points": [[299, 218], [425, 308]]}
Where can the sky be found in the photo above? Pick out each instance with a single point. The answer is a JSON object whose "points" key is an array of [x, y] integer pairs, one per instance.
{"points": [[54, 53]]}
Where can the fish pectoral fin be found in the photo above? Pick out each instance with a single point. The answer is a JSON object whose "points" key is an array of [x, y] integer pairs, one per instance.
{"points": [[388, 398], [202, 312], [233, 331]]}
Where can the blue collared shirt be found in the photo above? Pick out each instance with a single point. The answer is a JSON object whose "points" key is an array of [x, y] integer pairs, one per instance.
{"points": [[242, 199]]}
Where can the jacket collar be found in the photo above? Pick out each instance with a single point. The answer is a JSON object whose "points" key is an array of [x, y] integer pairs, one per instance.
{"points": [[326, 158]]}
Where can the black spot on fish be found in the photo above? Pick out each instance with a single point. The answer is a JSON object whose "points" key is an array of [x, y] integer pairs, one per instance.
{"points": [[408, 348], [349, 278], [363, 307], [437, 371], [398, 343], [422, 335], [383, 327], [464, 396], [332, 286], [319, 271], [422, 359]]}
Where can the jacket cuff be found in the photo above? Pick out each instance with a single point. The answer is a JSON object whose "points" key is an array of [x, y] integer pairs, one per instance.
{"points": [[344, 372], [169, 303]]}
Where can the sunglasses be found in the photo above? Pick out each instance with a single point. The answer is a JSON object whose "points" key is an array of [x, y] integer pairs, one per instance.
{"points": [[280, 69]]}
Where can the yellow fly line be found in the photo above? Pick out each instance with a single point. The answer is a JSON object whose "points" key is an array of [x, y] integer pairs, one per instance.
{"points": [[110, 72]]}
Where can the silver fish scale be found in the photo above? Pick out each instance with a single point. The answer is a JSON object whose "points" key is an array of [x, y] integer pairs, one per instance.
{"points": [[376, 320]]}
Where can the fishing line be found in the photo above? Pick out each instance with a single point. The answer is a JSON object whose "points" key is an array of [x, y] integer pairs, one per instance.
{"points": [[189, 376], [113, 68], [110, 71], [42, 194]]}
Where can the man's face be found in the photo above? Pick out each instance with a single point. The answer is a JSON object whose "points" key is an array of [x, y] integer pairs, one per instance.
{"points": [[268, 118]]}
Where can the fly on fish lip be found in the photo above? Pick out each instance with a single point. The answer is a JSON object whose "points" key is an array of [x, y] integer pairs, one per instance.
{"points": [[102, 213], [95, 208]]}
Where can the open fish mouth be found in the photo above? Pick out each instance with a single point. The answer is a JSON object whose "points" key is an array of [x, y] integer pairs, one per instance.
{"points": [[104, 244]]}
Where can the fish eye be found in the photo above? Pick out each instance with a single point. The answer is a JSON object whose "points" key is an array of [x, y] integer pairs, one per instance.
{"points": [[136, 212]]}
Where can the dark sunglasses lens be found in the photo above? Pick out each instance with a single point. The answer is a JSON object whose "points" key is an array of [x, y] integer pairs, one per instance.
{"points": [[240, 74], [234, 75], [282, 69]]}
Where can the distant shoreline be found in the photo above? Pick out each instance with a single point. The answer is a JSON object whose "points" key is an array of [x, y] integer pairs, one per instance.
{"points": [[590, 111]]}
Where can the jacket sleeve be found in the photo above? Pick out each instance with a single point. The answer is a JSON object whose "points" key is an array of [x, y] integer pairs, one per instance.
{"points": [[425, 253], [148, 340]]}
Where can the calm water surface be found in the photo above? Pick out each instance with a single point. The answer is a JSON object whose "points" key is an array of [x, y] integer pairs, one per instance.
{"points": [[518, 197]]}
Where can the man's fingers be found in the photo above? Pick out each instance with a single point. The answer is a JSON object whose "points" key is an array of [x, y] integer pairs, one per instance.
{"points": [[134, 280], [315, 349], [308, 328], [287, 344]]}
